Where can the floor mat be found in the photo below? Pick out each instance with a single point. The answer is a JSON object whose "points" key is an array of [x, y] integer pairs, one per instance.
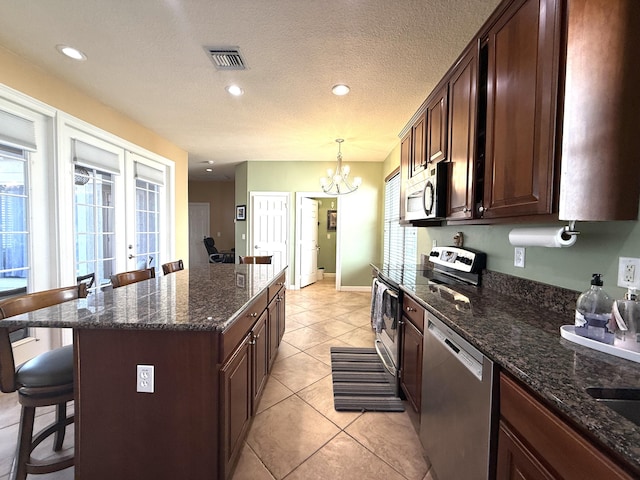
{"points": [[360, 382]]}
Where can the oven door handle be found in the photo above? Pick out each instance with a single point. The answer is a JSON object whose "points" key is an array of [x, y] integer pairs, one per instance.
{"points": [[384, 362], [391, 293]]}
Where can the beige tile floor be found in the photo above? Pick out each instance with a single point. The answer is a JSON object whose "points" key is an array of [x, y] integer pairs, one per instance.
{"points": [[296, 433]]}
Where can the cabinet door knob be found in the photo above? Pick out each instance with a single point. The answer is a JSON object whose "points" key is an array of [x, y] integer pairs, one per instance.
{"points": [[466, 210], [253, 315], [411, 309], [482, 209]]}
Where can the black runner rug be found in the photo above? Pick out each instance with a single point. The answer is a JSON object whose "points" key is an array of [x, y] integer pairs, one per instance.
{"points": [[360, 382]]}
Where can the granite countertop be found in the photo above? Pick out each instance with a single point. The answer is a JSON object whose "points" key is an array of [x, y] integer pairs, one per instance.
{"points": [[523, 338], [206, 298]]}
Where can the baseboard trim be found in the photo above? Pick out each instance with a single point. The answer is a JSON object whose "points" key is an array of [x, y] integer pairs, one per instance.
{"points": [[344, 288]]}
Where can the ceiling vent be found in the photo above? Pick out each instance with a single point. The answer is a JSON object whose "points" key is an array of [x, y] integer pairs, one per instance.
{"points": [[226, 58]]}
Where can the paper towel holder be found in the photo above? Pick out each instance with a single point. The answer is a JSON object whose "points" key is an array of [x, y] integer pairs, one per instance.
{"points": [[570, 230]]}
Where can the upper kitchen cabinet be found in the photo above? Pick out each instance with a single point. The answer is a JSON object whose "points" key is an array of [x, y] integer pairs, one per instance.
{"points": [[417, 160], [436, 114], [599, 178], [521, 54], [405, 158], [463, 83]]}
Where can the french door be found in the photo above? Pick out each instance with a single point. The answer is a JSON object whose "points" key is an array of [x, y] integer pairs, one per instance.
{"points": [[120, 215]]}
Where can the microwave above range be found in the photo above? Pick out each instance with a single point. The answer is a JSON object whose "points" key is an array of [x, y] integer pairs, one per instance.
{"points": [[427, 194]]}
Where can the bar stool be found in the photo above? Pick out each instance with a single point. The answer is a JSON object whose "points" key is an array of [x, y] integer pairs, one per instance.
{"points": [[43, 381], [264, 259], [171, 267], [126, 278]]}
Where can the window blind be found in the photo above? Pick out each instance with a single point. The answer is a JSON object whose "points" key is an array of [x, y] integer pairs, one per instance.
{"points": [[17, 132], [400, 243], [149, 174], [95, 157]]}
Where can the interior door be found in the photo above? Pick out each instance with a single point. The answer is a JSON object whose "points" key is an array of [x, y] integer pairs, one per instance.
{"points": [[269, 226], [308, 242], [198, 229]]}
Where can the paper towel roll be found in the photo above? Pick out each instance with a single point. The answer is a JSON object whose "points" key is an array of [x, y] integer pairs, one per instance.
{"points": [[541, 237]]}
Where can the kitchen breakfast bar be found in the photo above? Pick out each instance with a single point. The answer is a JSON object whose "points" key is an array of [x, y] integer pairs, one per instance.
{"points": [[211, 334]]}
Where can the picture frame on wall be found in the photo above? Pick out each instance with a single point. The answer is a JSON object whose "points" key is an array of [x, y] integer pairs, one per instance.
{"points": [[241, 212], [332, 220]]}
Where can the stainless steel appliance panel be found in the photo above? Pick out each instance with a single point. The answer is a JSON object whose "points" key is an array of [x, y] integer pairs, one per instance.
{"points": [[457, 392]]}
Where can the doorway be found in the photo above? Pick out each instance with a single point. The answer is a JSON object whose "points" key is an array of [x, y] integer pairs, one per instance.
{"points": [[269, 226], [329, 202], [198, 229]]}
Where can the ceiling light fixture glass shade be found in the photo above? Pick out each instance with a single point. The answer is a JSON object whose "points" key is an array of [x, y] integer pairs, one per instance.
{"points": [[337, 182]]}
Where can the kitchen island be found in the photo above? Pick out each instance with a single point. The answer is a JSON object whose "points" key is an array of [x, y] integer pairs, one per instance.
{"points": [[211, 334], [518, 327]]}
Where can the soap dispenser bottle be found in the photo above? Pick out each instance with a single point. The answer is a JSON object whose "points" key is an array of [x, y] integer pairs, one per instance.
{"points": [[626, 321], [593, 313]]}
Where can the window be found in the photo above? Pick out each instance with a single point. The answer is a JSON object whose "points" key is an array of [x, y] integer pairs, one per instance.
{"points": [[147, 224], [94, 224], [14, 230], [400, 243]]}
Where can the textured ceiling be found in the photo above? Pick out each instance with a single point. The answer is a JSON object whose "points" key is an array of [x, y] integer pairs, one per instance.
{"points": [[146, 59]]}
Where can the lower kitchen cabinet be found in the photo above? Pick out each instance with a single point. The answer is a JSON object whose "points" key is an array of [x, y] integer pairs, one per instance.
{"points": [[236, 378], [412, 329], [261, 357], [534, 443]]}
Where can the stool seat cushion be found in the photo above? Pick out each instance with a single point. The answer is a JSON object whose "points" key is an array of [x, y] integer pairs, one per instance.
{"points": [[47, 369]]}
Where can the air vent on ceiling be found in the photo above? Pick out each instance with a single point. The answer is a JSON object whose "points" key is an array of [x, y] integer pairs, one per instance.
{"points": [[226, 58]]}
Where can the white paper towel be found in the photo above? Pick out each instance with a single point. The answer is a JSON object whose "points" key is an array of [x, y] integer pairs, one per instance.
{"points": [[541, 237]]}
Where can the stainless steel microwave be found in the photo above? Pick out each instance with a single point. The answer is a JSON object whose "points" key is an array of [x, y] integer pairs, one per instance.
{"points": [[427, 195]]}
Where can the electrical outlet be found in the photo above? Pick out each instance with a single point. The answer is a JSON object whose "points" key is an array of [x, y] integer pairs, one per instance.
{"points": [[629, 272], [518, 257], [145, 379]]}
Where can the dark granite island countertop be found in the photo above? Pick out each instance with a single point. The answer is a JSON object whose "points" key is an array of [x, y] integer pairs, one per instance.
{"points": [[523, 338], [209, 336], [206, 298]]}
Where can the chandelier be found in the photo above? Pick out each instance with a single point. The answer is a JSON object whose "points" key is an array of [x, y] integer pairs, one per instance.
{"points": [[338, 183]]}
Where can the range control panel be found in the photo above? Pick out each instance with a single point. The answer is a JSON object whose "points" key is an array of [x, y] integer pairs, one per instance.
{"points": [[458, 258]]}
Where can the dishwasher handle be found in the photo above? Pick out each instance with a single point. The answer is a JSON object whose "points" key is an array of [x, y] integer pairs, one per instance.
{"points": [[466, 358]]}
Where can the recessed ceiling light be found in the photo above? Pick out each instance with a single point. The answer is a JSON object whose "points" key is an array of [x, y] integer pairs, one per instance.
{"points": [[340, 89], [211, 162], [71, 52], [234, 90], [209, 169]]}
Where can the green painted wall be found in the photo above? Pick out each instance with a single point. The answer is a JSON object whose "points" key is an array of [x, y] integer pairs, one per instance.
{"points": [[241, 199], [359, 218], [327, 252], [596, 251]]}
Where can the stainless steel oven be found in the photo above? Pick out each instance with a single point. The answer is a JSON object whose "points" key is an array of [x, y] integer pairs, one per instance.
{"points": [[385, 318]]}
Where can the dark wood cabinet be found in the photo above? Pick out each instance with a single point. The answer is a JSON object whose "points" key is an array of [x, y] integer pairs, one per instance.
{"points": [[261, 357], [282, 304], [522, 50], [417, 160], [236, 378], [405, 160], [436, 118], [601, 111], [463, 83], [535, 443], [412, 329]]}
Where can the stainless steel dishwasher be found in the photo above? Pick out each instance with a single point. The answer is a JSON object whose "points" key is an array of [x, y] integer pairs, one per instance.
{"points": [[457, 391]]}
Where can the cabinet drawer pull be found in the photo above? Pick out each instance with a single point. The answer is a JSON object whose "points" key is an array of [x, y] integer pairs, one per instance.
{"points": [[252, 315], [411, 309]]}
